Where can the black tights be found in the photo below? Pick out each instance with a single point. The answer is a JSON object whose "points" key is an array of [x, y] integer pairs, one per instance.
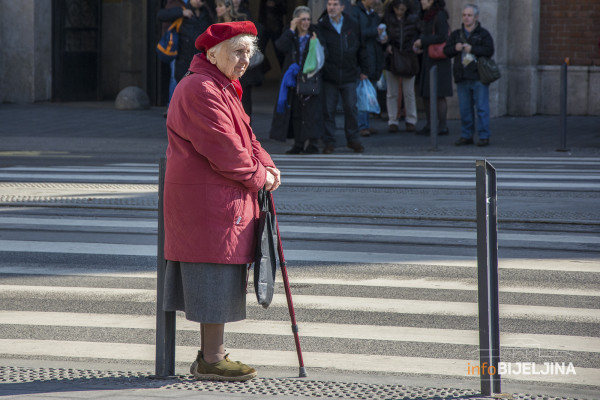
{"points": [[442, 111]]}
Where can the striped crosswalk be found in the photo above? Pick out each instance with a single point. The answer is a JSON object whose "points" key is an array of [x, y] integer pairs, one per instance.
{"points": [[395, 295]]}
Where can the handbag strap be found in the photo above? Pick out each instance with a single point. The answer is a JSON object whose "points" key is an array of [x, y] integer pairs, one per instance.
{"points": [[176, 25], [263, 199]]}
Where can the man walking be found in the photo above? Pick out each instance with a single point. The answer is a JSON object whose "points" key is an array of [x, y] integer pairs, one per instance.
{"points": [[466, 45], [342, 43]]}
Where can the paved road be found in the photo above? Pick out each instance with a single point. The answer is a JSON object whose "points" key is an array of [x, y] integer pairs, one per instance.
{"points": [[382, 261]]}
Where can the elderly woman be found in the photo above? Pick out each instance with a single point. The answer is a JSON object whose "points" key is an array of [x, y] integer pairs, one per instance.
{"points": [[215, 167]]}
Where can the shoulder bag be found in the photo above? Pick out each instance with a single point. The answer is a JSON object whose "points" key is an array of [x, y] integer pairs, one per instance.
{"points": [[436, 50], [265, 258], [306, 86], [404, 63], [488, 70], [168, 45]]}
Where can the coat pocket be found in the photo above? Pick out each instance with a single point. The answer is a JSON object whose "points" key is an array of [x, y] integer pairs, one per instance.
{"points": [[235, 205]]}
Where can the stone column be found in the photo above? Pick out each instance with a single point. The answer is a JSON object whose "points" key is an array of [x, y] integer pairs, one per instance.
{"points": [[522, 33], [26, 51]]}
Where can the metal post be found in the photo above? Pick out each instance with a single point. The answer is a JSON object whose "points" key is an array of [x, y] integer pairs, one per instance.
{"points": [[165, 320], [487, 267], [433, 95], [562, 146]]}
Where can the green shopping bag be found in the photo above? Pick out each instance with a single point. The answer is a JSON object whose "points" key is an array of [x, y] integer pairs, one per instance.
{"points": [[315, 51]]}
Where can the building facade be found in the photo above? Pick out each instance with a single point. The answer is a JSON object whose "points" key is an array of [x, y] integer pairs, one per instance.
{"points": [[75, 50]]}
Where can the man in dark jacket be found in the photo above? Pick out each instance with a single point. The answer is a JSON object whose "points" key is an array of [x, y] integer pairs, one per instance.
{"points": [[341, 40], [369, 22], [465, 45]]}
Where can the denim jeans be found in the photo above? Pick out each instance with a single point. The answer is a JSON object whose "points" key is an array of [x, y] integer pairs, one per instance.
{"points": [[474, 95], [363, 120], [332, 92]]}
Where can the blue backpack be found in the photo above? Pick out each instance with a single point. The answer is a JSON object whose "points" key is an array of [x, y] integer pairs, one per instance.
{"points": [[168, 45]]}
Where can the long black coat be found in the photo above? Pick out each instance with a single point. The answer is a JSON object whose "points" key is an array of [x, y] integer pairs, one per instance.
{"points": [[435, 30], [190, 29], [281, 126], [482, 45]]}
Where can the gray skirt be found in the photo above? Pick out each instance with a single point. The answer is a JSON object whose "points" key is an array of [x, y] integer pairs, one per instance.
{"points": [[207, 293]]}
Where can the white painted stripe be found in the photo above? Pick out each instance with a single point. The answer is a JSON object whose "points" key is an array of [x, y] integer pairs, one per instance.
{"points": [[88, 222], [81, 177], [322, 256], [437, 183], [84, 272], [420, 283], [312, 302], [386, 173], [86, 169], [78, 248], [272, 358], [439, 234], [307, 329]]}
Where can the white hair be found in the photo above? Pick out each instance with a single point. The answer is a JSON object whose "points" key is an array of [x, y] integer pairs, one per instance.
{"points": [[236, 42]]}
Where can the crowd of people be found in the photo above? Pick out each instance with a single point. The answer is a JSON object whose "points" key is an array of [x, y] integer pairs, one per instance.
{"points": [[392, 44]]}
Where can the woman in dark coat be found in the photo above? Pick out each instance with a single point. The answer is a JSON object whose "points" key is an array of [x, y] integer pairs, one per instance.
{"points": [[435, 30], [197, 16], [303, 115]]}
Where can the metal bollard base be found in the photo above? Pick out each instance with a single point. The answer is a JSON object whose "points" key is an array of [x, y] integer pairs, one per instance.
{"points": [[302, 373]]}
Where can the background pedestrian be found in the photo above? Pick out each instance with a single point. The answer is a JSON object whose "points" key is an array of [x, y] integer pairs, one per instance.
{"points": [[466, 45], [402, 29], [435, 30], [303, 119]]}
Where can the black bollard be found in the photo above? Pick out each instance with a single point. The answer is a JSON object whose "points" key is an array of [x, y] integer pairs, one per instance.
{"points": [[165, 320], [562, 146], [433, 117], [487, 272]]}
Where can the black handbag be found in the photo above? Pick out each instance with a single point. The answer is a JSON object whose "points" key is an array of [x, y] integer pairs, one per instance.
{"points": [[488, 70], [404, 63], [306, 86], [265, 259]]}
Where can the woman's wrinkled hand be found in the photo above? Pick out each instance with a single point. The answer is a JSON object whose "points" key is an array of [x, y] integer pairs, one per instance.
{"points": [[273, 179]]}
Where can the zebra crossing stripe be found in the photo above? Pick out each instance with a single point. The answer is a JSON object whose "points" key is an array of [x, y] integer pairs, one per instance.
{"points": [[276, 358], [308, 329], [317, 256], [312, 302], [417, 283]]}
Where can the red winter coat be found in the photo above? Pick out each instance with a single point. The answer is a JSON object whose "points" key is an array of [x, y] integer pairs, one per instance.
{"points": [[215, 167]]}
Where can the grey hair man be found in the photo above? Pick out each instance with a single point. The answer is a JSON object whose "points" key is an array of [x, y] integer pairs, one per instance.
{"points": [[466, 45]]}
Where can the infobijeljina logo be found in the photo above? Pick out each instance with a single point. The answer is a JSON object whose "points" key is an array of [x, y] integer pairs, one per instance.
{"points": [[540, 362], [523, 368]]}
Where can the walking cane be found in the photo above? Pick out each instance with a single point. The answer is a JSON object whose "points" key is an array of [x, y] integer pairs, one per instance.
{"points": [[288, 293]]}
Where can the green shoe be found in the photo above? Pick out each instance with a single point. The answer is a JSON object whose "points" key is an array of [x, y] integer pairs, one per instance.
{"points": [[224, 370]]}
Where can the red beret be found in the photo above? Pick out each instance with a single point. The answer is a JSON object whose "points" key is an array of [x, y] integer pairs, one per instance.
{"points": [[217, 33]]}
